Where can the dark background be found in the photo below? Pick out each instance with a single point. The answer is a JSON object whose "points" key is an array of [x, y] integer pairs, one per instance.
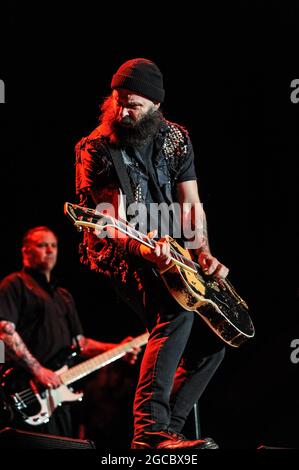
{"points": [[227, 74]]}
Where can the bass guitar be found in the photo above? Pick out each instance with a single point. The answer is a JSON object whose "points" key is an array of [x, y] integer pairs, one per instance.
{"points": [[35, 406]]}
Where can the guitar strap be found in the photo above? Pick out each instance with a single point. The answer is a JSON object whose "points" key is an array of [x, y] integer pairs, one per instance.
{"points": [[122, 174], [125, 185]]}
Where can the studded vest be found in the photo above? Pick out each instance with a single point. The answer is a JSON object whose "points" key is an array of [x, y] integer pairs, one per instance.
{"points": [[95, 172]]}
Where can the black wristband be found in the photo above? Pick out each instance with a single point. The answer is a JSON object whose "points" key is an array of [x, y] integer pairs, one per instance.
{"points": [[133, 247]]}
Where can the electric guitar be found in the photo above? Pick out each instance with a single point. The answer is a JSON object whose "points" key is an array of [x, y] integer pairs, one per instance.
{"points": [[214, 299], [35, 406]]}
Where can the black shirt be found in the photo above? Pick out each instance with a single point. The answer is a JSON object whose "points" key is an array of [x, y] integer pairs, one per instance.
{"points": [[44, 314], [170, 153]]}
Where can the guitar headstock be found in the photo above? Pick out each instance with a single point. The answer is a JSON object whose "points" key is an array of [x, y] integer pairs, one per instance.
{"points": [[83, 217]]}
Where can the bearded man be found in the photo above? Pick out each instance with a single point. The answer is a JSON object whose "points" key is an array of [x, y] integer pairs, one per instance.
{"points": [[137, 152]]}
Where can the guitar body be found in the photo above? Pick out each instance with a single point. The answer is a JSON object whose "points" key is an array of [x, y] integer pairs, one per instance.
{"points": [[215, 301], [35, 406]]}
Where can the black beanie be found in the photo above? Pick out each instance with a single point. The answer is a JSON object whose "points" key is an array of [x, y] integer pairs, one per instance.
{"points": [[141, 76]]}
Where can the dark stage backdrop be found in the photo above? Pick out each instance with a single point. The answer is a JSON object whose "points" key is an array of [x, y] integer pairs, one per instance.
{"points": [[228, 79]]}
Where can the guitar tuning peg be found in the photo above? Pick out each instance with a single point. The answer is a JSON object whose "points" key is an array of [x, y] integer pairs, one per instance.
{"points": [[79, 228]]}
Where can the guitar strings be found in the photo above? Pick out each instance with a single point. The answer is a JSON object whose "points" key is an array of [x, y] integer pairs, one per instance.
{"points": [[130, 228], [132, 231], [25, 392], [28, 394]]}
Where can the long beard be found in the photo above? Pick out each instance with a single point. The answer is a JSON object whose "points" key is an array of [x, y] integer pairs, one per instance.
{"points": [[137, 134], [129, 133]]}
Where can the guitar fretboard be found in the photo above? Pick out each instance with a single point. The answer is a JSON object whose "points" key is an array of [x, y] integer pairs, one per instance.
{"points": [[87, 367], [90, 218]]}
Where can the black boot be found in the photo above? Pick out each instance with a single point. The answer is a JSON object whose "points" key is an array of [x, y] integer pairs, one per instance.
{"points": [[171, 440]]}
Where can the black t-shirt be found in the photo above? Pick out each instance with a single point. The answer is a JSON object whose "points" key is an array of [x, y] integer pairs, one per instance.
{"points": [[145, 181], [44, 314], [140, 165]]}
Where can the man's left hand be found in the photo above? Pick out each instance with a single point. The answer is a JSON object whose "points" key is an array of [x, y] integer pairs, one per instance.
{"points": [[131, 356]]}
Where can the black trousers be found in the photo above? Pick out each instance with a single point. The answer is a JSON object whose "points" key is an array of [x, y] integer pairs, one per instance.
{"points": [[180, 359]]}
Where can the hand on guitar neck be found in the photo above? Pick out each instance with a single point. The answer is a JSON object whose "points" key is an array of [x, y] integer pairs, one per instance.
{"points": [[159, 253], [161, 257]]}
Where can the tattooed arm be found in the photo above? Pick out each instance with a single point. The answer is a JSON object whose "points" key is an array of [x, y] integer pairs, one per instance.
{"points": [[19, 352], [194, 216]]}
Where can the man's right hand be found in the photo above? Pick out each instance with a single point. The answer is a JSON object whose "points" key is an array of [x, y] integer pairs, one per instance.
{"points": [[46, 377], [160, 256]]}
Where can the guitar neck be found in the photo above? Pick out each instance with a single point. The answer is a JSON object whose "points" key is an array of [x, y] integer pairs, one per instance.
{"points": [[176, 257], [86, 217], [95, 363]]}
